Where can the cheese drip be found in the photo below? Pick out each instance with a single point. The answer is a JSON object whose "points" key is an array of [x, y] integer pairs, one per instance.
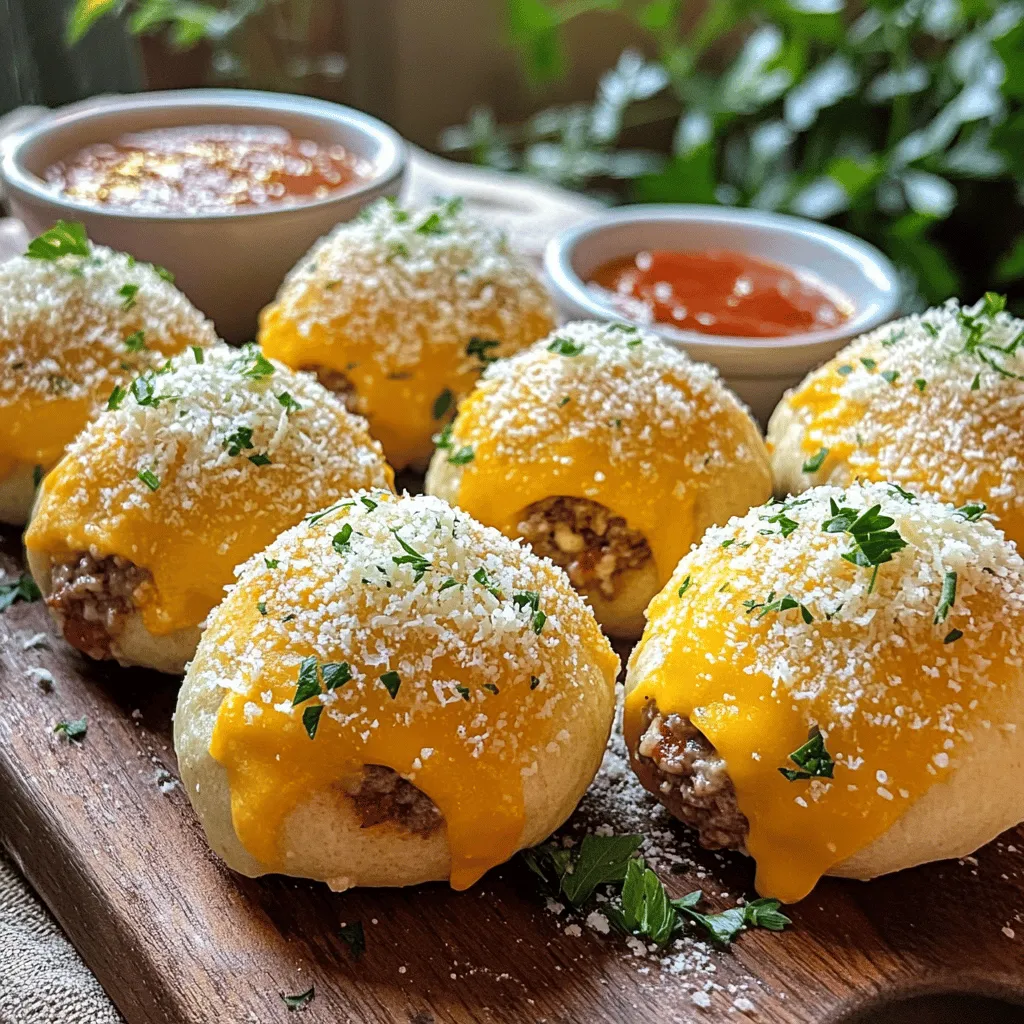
{"points": [[482, 696], [895, 703]]}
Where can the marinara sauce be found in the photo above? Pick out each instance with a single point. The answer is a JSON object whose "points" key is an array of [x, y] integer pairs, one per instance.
{"points": [[206, 169], [719, 292]]}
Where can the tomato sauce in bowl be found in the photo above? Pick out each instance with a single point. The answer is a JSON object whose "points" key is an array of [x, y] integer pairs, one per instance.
{"points": [[206, 169], [719, 292]]}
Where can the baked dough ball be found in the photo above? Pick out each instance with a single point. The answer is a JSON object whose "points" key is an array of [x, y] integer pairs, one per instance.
{"points": [[797, 695], [399, 311], [392, 694], [70, 329], [190, 470], [931, 402], [610, 453]]}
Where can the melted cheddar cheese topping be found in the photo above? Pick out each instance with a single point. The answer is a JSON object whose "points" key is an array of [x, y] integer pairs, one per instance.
{"points": [[409, 307], [895, 677], [197, 468], [611, 414], [468, 664], [69, 331], [931, 402]]}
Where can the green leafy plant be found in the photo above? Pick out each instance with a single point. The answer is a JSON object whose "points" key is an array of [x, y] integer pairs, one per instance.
{"points": [[187, 22], [899, 121]]}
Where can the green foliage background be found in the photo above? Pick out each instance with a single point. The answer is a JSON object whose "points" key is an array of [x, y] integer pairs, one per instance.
{"points": [[901, 122]]}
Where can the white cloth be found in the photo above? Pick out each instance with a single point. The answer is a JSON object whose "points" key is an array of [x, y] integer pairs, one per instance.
{"points": [[42, 979]]}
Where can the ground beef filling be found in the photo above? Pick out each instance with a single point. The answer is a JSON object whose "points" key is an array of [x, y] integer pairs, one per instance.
{"points": [[675, 761], [338, 383], [385, 797], [92, 598], [586, 540]]}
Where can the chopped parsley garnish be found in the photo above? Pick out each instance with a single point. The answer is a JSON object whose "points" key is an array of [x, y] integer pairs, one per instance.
{"points": [[947, 598], [392, 681], [22, 589], [442, 403], [930, 329], [135, 342], [723, 927], [902, 492], [979, 343], [309, 681], [868, 363], [874, 543], [237, 441], [481, 348], [72, 730], [65, 238], [952, 636], [340, 541], [448, 583], [259, 459], [297, 1002], [531, 599], [335, 674], [598, 860], [311, 719], [534, 682], [128, 293], [444, 439], [289, 403], [920, 383], [253, 363], [785, 524], [487, 583], [781, 604], [844, 370], [813, 761], [144, 391], [354, 937], [976, 383], [150, 479], [463, 692], [565, 346], [368, 503], [434, 223], [37, 476], [420, 564], [643, 908], [894, 337], [163, 273], [261, 607], [972, 511], [271, 563], [117, 396], [564, 402], [491, 688], [815, 462], [728, 543], [891, 376], [198, 354], [463, 456], [687, 582]]}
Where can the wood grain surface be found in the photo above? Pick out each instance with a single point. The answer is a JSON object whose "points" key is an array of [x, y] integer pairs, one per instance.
{"points": [[176, 938]]}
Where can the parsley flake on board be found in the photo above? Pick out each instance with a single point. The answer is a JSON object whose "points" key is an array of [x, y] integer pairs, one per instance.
{"points": [[354, 937], [565, 346], [442, 403], [723, 927], [297, 1002], [392, 681], [65, 238], [72, 730], [128, 293], [947, 598], [22, 589], [815, 462], [813, 761]]}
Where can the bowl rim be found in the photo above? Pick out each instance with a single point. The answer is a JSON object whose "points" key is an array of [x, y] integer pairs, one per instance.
{"points": [[19, 179], [875, 266]]}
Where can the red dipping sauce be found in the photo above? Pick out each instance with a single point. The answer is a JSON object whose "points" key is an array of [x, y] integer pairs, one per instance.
{"points": [[206, 169], [719, 292]]}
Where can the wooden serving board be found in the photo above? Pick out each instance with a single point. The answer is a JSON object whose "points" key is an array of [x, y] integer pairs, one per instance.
{"points": [[176, 938]]}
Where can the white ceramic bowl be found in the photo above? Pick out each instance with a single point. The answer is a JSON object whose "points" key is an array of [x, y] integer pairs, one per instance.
{"points": [[759, 370], [229, 264]]}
